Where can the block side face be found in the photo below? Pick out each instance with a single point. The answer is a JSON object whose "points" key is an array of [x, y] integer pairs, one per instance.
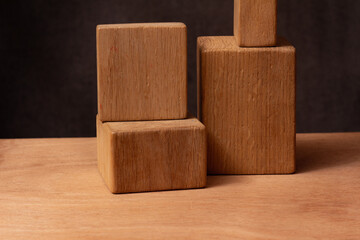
{"points": [[161, 160], [256, 23], [198, 77], [100, 147], [237, 24], [142, 73], [99, 86], [105, 154], [248, 108], [200, 145]]}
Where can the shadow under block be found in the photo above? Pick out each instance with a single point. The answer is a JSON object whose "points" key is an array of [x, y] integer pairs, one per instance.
{"points": [[255, 22], [152, 155], [142, 71], [247, 104]]}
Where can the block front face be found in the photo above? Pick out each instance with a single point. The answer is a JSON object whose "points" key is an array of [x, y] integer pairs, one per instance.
{"points": [[255, 22], [247, 99], [142, 71], [156, 155]]}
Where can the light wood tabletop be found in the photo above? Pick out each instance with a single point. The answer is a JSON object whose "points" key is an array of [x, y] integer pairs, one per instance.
{"points": [[51, 189]]}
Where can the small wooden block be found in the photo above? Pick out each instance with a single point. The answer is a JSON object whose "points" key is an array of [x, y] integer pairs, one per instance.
{"points": [[142, 71], [152, 155], [247, 103], [255, 22]]}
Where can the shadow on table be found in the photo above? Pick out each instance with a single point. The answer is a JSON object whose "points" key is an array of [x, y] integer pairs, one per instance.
{"points": [[320, 151], [220, 180]]}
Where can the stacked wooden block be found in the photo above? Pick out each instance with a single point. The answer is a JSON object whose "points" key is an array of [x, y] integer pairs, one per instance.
{"points": [[146, 140], [246, 100], [246, 94]]}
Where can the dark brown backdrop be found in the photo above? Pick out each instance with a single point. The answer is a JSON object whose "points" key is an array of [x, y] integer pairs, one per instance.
{"points": [[48, 59]]}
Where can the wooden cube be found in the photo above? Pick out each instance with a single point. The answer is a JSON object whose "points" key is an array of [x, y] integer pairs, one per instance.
{"points": [[255, 22], [152, 155], [247, 104], [142, 71]]}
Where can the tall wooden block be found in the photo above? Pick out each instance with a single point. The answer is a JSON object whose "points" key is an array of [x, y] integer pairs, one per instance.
{"points": [[152, 155], [142, 71], [255, 22], [247, 104]]}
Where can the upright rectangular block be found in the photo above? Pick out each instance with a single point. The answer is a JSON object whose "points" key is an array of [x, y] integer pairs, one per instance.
{"points": [[255, 22], [152, 155], [142, 71], [247, 103]]}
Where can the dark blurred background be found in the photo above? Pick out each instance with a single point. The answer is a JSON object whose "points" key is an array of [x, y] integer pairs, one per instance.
{"points": [[48, 58]]}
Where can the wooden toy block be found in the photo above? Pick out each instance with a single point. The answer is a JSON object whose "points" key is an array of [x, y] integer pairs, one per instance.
{"points": [[152, 155], [255, 22], [142, 71], [247, 103]]}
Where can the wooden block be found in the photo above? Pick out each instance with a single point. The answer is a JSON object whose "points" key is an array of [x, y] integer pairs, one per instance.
{"points": [[152, 155], [247, 103], [255, 22], [142, 71]]}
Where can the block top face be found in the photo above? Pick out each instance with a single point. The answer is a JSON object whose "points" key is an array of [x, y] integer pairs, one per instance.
{"points": [[154, 126], [142, 71], [228, 43], [140, 25]]}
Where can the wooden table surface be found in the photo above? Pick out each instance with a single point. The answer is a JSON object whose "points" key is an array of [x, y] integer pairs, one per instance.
{"points": [[51, 189]]}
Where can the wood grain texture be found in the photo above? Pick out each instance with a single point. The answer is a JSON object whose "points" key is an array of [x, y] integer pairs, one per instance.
{"points": [[255, 22], [51, 189], [152, 155], [142, 71], [247, 98]]}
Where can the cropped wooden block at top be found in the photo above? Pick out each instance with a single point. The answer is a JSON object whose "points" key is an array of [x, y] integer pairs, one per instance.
{"points": [[152, 155], [247, 103], [255, 22], [142, 71]]}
